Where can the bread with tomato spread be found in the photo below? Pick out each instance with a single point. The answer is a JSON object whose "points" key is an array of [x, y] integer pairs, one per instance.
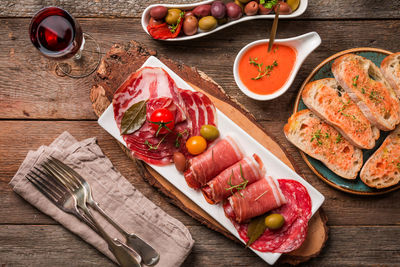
{"points": [[368, 88], [390, 68], [330, 102], [382, 169], [323, 142]]}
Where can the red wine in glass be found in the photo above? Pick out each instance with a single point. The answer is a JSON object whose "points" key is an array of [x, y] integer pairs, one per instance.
{"points": [[57, 35]]}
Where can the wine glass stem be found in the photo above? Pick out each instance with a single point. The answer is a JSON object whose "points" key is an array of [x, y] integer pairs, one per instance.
{"points": [[78, 54]]}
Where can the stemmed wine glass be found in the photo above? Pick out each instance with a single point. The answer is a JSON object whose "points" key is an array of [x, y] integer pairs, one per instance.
{"points": [[57, 35]]}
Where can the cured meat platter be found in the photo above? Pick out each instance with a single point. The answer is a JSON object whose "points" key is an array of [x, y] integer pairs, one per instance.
{"points": [[180, 189]]}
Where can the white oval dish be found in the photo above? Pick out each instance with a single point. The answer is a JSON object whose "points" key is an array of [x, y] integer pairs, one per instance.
{"points": [[146, 17], [304, 45]]}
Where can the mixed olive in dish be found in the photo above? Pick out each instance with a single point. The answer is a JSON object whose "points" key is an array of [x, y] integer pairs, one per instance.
{"points": [[167, 23]]}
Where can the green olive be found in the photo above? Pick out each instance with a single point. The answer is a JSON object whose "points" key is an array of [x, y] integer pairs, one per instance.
{"points": [[274, 221], [207, 23], [173, 16], [209, 132]]}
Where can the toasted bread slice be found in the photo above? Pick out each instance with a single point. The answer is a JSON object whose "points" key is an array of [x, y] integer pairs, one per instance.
{"points": [[390, 68], [382, 169], [367, 87], [321, 141], [332, 104]]}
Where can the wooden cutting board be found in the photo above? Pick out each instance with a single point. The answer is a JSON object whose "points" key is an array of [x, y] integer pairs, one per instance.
{"points": [[123, 59]]}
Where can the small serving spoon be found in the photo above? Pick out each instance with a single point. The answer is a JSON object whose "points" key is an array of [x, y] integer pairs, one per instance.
{"points": [[274, 28]]}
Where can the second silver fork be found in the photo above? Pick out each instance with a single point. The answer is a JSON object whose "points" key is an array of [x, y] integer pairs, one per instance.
{"points": [[148, 254]]}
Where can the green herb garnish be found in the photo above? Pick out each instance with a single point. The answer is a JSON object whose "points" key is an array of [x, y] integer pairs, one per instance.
{"points": [[355, 79], [238, 187], [398, 166], [375, 96], [172, 28], [269, 3], [262, 72], [338, 138], [363, 90], [155, 147], [317, 136], [179, 136]]}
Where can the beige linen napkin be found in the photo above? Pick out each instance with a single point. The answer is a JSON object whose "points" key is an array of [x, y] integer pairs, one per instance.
{"points": [[116, 196]]}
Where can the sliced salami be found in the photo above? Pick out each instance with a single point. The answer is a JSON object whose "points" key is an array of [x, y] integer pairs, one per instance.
{"points": [[190, 109], [296, 211]]}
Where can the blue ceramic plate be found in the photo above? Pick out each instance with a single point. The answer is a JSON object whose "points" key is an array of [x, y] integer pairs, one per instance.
{"points": [[356, 186]]}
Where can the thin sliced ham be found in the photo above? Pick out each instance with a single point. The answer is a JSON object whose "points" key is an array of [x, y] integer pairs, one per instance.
{"points": [[153, 84], [297, 213], [215, 159], [256, 199], [249, 169], [200, 110], [159, 89]]}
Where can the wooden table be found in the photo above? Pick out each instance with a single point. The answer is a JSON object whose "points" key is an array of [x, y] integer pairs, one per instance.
{"points": [[36, 106]]}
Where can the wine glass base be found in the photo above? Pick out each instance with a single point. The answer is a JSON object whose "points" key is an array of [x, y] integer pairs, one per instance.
{"points": [[83, 63]]}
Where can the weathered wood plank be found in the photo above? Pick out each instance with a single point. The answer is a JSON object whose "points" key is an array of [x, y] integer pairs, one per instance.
{"points": [[29, 90], [324, 9], [52, 245], [341, 208]]}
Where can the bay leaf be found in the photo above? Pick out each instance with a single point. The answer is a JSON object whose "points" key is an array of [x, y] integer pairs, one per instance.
{"points": [[256, 229], [133, 118]]}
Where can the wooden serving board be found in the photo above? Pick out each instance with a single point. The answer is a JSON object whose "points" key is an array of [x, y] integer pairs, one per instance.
{"points": [[121, 60]]}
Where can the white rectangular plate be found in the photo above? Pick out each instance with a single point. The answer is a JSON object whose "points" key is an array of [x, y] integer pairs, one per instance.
{"points": [[274, 166]]}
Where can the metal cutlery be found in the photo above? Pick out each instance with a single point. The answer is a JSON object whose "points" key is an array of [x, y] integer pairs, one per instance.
{"points": [[59, 191], [148, 254]]}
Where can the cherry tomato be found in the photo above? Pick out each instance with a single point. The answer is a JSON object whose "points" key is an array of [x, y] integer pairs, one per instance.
{"points": [[161, 119], [196, 145]]}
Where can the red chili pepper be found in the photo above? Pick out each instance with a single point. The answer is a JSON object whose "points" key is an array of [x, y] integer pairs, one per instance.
{"points": [[163, 31]]}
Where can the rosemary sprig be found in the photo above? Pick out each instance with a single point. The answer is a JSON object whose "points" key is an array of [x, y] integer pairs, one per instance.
{"points": [[179, 136], [238, 187], [155, 147], [262, 72]]}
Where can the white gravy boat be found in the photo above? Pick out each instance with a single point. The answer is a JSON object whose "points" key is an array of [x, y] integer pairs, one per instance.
{"points": [[304, 45], [146, 17]]}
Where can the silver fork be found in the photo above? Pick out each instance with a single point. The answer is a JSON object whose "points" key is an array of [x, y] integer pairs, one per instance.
{"points": [[149, 255], [57, 192]]}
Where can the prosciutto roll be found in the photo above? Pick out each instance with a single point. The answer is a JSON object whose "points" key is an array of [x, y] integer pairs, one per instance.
{"points": [[256, 199], [249, 169], [215, 159]]}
